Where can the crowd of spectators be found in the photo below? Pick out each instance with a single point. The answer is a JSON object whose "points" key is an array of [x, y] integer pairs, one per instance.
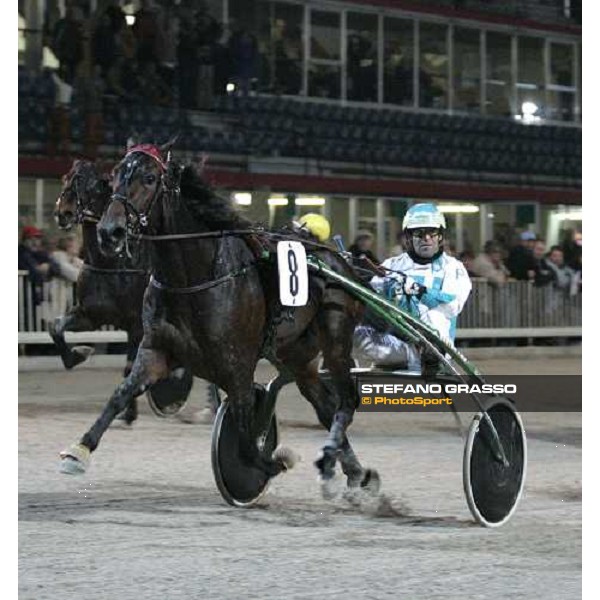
{"points": [[170, 55], [48, 259], [530, 260], [527, 260]]}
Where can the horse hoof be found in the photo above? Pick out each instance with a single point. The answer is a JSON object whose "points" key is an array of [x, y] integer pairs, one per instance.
{"points": [[80, 354], [325, 463], [74, 460], [329, 490], [371, 482], [286, 456], [71, 466]]}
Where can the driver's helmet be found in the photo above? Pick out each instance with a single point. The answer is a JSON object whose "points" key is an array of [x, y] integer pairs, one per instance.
{"points": [[317, 224], [423, 216]]}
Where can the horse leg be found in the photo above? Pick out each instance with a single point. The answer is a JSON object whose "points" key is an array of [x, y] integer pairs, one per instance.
{"points": [[305, 371], [242, 400], [336, 330], [74, 320], [130, 414], [148, 368]]}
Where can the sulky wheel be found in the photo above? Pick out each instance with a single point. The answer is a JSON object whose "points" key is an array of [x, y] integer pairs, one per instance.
{"points": [[493, 488], [239, 484], [168, 396]]}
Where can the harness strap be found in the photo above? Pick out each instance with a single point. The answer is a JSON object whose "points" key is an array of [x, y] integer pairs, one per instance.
{"points": [[89, 267], [201, 286]]}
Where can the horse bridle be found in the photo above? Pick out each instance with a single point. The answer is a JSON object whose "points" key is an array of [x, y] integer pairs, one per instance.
{"points": [[82, 214], [142, 217], [142, 221]]}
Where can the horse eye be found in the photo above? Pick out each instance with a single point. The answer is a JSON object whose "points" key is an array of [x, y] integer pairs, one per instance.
{"points": [[149, 179]]}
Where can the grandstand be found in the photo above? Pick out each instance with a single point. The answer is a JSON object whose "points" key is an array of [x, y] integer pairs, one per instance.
{"points": [[348, 108]]}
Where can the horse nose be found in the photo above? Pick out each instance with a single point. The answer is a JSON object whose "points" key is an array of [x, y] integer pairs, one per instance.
{"points": [[118, 234], [111, 236]]}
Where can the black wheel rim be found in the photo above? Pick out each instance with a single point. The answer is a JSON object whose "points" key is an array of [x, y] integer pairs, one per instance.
{"points": [[168, 396], [496, 488], [239, 484]]}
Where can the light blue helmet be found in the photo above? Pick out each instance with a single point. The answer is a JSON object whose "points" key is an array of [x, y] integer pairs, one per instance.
{"points": [[423, 215]]}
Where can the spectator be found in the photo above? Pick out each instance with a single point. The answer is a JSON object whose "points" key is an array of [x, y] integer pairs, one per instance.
{"points": [[209, 33], [67, 258], [187, 57], [561, 275], [104, 38], [67, 42], [521, 262], [69, 265], [489, 264], [467, 258], [243, 50], [572, 251], [362, 252], [363, 246], [33, 258], [543, 275], [146, 31], [168, 40], [38, 264], [287, 57], [398, 248], [152, 87]]}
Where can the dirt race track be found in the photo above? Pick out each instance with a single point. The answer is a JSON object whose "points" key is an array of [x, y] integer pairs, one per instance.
{"points": [[146, 520]]}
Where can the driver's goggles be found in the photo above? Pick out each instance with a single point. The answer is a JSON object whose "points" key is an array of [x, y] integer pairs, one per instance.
{"points": [[424, 232]]}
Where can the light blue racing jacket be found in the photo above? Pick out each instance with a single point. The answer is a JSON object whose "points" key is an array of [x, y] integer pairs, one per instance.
{"points": [[448, 287]]}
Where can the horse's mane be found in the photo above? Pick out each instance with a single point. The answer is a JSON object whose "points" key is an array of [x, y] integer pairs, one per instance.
{"points": [[209, 208]]}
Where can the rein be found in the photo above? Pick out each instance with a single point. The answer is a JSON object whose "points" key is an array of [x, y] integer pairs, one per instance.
{"points": [[201, 286], [142, 219], [216, 234], [88, 267]]}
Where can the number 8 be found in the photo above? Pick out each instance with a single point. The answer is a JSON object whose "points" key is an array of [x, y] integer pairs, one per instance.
{"points": [[293, 266]]}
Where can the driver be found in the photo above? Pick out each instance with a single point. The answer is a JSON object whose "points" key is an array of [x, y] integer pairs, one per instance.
{"points": [[432, 286]]}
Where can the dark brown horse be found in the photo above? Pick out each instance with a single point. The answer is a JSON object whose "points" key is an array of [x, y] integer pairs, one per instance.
{"points": [[212, 306], [109, 290]]}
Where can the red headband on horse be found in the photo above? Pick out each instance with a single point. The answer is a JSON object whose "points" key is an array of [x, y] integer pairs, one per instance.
{"points": [[150, 150]]}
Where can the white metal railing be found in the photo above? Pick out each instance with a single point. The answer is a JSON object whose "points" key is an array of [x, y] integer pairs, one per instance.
{"points": [[40, 304], [520, 305], [516, 309]]}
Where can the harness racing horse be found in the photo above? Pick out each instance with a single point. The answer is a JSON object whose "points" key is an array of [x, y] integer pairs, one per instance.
{"points": [[109, 289], [212, 306]]}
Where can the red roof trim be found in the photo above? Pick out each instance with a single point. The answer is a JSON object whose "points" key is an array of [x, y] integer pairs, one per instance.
{"points": [[410, 188]]}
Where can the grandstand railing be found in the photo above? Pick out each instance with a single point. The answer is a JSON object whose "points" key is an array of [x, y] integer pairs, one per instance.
{"points": [[514, 310], [519, 309]]}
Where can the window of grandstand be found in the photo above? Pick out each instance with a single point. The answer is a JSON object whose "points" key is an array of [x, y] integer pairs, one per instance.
{"points": [[433, 65], [466, 69], [22, 40], [250, 22], [287, 48], [561, 87], [530, 76], [498, 74], [324, 74], [361, 57], [398, 56]]}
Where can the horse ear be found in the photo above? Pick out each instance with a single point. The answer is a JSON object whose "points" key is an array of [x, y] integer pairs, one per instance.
{"points": [[166, 147], [132, 141]]}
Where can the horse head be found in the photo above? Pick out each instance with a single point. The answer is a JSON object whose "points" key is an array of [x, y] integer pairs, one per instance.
{"points": [[83, 197], [138, 183]]}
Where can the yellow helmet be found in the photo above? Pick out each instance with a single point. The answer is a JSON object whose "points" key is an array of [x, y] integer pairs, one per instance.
{"points": [[317, 224]]}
